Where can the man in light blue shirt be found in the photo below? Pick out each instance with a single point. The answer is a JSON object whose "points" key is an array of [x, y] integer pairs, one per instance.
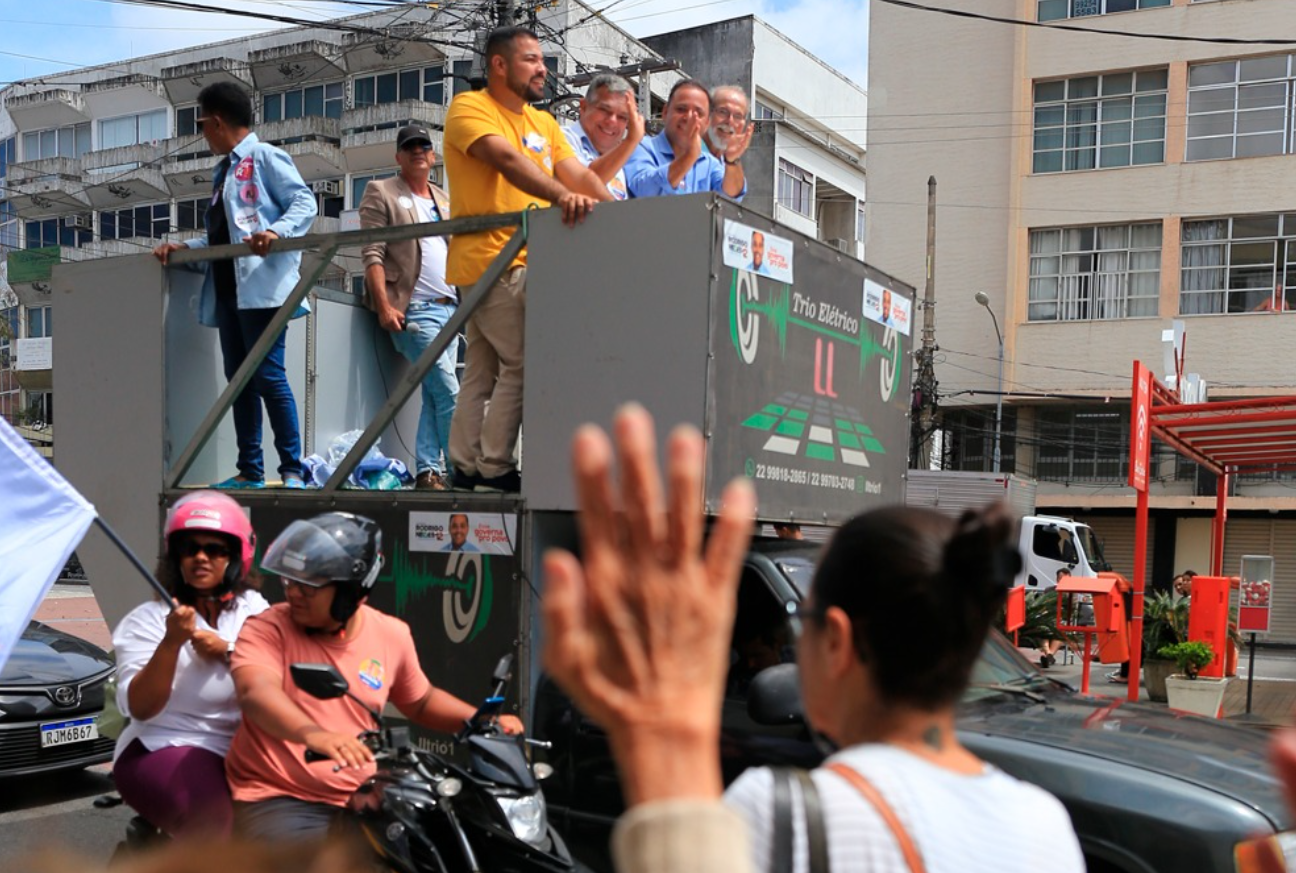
{"points": [[676, 161], [608, 132]]}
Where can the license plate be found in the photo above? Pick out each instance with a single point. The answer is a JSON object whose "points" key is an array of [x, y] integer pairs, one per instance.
{"points": [[63, 732]]}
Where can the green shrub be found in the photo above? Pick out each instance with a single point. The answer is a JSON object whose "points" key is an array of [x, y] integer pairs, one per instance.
{"points": [[1190, 656]]}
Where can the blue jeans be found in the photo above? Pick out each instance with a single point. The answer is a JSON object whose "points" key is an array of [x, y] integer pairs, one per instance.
{"points": [[239, 330], [440, 385]]}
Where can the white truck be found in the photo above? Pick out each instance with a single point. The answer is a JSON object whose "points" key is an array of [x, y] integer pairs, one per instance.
{"points": [[1047, 543]]}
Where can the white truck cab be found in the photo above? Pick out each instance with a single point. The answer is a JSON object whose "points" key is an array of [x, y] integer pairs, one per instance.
{"points": [[1052, 543]]}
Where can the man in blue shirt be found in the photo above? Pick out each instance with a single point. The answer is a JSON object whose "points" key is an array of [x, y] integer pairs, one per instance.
{"points": [[257, 197], [676, 161]]}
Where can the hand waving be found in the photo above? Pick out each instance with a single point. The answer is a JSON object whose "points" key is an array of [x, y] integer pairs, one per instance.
{"points": [[637, 631]]}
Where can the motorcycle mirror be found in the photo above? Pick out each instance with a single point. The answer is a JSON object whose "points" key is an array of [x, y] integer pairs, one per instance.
{"points": [[775, 696], [504, 669], [321, 681]]}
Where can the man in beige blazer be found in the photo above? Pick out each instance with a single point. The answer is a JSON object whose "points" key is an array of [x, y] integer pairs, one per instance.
{"points": [[405, 286]]}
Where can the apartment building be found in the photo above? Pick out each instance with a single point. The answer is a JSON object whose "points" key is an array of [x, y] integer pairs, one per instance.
{"points": [[1095, 187]]}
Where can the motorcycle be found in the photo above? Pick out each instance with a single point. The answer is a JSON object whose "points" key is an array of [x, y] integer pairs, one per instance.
{"points": [[423, 813]]}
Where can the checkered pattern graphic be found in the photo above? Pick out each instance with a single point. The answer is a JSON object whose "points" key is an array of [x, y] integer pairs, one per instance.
{"points": [[815, 427]]}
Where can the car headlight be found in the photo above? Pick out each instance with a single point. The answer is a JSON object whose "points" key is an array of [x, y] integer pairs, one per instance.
{"points": [[1275, 853], [526, 815]]}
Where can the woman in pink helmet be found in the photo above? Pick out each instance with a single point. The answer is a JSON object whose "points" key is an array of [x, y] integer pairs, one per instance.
{"points": [[173, 678]]}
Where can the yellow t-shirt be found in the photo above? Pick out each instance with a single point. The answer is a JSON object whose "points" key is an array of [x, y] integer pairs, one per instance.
{"points": [[476, 188]]}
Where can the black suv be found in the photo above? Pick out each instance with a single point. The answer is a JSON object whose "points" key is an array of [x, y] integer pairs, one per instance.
{"points": [[1148, 789]]}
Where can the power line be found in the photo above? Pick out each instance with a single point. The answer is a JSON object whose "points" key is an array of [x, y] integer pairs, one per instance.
{"points": [[1052, 25]]}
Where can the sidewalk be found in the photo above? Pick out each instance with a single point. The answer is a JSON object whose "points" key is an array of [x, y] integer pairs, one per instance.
{"points": [[74, 610], [1273, 701]]}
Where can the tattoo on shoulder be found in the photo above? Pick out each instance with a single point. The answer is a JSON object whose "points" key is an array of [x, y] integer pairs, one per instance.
{"points": [[934, 738]]}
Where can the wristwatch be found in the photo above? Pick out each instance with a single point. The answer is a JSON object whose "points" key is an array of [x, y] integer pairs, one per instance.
{"points": [[733, 163]]}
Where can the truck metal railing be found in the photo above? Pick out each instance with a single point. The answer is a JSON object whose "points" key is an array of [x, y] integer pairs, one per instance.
{"points": [[328, 244]]}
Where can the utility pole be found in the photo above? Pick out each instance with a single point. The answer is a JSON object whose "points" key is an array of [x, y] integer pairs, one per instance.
{"points": [[925, 384], [640, 72]]}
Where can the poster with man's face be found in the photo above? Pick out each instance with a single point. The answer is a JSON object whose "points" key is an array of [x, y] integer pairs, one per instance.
{"points": [[485, 533], [746, 248], [886, 308]]}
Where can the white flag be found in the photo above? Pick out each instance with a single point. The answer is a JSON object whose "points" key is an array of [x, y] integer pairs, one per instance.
{"points": [[42, 519]]}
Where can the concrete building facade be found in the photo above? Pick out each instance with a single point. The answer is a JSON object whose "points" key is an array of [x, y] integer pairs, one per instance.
{"points": [[1096, 187]]}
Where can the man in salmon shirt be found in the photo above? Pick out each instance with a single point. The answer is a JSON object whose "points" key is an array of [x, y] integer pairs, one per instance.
{"points": [[502, 155], [327, 565]]}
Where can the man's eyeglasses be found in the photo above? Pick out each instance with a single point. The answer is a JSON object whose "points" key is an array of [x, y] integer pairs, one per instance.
{"points": [[214, 550], [199, 122], [728, 115], [417, 147], [305, 589]]}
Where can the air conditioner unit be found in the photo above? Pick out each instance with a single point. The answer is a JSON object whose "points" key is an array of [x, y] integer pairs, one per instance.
{"points": [[842, 245], [327, 187], [78, 221]]}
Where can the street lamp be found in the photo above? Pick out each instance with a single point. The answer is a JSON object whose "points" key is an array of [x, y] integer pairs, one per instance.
{"points": [[984, 299]]}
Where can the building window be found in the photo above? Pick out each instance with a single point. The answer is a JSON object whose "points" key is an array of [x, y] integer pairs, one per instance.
{"points": [[763, 112], [8, 227], [72, 231], [796, 188], [129, 130], [72, 141], [1091, 273], [860, 224], [1082, 444], [8, 154], [1241, 109], [190, 214], [358, 185], [967, 441], [424, 83], [1241, 264], [187, 121], [1054, 10], [1089, 122], [462, 72], [40, 322], [315, 101], [140, 221]]}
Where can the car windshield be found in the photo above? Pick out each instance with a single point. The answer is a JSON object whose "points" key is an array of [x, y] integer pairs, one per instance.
{"points": [[1000, 665], [1092, 549], [800, 572]]}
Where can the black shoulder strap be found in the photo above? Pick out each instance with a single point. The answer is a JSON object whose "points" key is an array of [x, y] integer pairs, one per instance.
{"points": [[781, 850], [816, 833]]}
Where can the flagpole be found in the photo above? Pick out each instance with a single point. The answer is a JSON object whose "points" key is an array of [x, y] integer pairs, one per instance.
{"points": [[144, 571]]}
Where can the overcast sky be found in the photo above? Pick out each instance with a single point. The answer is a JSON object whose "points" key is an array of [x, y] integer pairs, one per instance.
{"points": [[36, 40]]}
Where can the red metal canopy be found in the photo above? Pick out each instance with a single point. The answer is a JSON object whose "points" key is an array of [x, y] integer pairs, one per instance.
{"points": [[1225, 437]]}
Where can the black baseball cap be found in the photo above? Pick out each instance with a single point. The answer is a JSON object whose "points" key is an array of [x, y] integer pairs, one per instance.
{"points": [[412, 133]]}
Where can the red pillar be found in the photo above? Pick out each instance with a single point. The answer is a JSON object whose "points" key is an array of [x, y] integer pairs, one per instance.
{"points": [[1217, 527], [1136, 617]]}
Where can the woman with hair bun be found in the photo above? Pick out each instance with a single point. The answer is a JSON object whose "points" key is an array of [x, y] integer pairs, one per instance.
{"points": [[899, 609]]}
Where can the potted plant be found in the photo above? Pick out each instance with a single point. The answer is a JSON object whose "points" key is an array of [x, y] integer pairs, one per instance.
{"points": [[1186, 690], [1165, 623]]}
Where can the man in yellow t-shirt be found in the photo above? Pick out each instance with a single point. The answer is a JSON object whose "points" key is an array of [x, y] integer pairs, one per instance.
{"points": [[502, 155]]}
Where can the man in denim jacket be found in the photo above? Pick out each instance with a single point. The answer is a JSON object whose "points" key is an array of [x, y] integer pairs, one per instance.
{"points": [[257, 197]]}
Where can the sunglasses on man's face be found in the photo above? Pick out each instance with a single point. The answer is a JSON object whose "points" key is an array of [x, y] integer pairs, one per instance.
{"points": [[417, 147], [213, 550]]}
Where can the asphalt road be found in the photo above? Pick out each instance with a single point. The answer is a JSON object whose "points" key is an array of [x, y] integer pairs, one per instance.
{"points": [[56, 813]]}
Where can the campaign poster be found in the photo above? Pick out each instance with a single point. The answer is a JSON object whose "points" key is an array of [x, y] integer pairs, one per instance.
{"points": [[757, 251], [487, 533], [885, 307]]}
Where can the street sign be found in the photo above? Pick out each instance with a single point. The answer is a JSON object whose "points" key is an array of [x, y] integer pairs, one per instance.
{"points": [[1140, 427]]}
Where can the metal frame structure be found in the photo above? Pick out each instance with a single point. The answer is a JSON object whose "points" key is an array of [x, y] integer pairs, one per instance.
{"points": [[328, 245], [1225, 437]]}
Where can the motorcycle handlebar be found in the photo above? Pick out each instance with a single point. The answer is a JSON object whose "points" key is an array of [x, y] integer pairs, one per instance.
{"points": [[314, 757]]}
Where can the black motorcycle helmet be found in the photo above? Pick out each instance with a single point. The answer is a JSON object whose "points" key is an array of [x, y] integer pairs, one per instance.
{"points": [[335, 548]]}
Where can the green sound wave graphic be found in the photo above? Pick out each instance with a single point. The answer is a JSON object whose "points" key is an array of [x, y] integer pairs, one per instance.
{"points": [[778, 313], [412, 581]]}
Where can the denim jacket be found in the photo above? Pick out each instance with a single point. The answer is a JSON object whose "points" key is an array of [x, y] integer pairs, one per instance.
{"points": [[262, 191]]}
